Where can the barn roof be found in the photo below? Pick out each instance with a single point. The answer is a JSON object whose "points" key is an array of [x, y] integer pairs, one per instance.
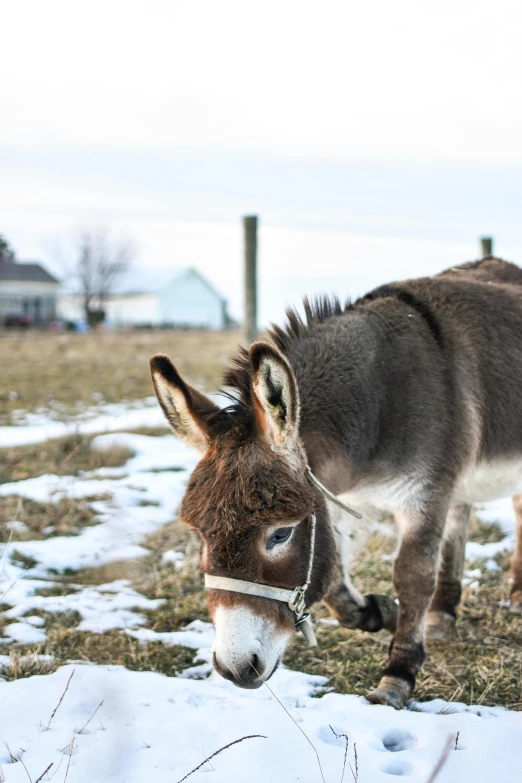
{"points": [[152, 281], [31, 272]]}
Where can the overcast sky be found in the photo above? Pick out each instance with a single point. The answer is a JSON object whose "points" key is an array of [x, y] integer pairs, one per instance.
{"points": [[375, 139]]}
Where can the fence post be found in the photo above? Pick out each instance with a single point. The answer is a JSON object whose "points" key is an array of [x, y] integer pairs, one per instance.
{"points": [[250, 249], [486, 244]]}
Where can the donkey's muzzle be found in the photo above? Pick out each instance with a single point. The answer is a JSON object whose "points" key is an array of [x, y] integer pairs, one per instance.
{"points": [[247, 675]]}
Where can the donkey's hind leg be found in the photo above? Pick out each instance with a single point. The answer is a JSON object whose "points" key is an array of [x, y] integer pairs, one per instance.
{"points": [[516, 563], [440, 621]]}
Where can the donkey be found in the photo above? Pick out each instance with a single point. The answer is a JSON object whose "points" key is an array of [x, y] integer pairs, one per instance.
{"points": [[406, 402]]}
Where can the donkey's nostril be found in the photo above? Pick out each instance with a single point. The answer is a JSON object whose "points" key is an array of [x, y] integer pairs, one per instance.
{"points": [[255, 665], [250, 675], [247, 675]]}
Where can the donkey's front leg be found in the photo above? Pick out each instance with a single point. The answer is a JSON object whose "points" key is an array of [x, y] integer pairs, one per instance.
{"points": [[516, 565], [414, 576], [349, 607], [367, 613]]}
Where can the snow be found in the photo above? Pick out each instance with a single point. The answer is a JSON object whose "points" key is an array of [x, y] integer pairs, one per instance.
{"points": [[155, 727], [501, 512], [107, 418], [156, 475], [176, 558], [23, 633], [102, 608], [16, 526], [150, 726], [476, 551], [110, 417]]}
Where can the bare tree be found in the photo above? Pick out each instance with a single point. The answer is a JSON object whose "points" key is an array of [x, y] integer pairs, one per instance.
{"points": [[99, 260], [7, 254]]}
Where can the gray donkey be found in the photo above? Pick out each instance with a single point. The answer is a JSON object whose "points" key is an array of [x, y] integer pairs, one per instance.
{"points": [[407, 402]]}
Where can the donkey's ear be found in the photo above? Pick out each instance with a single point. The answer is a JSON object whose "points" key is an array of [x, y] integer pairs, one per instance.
{"points": [[187, 410], [274, 395]]}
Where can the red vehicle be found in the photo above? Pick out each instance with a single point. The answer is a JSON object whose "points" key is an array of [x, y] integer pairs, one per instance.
{"points": [[17, 321]]}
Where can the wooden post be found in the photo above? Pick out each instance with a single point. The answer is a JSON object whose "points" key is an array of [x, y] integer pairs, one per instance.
{"points": [[250, 249], [486, 244]]}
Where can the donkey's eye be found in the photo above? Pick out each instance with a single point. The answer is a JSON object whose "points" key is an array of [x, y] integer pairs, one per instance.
{"points": [[279, 537]]}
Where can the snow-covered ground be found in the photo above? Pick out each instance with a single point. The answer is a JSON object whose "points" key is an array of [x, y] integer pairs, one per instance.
{"points": [[156, 728], [37, 427], [153, 727]]}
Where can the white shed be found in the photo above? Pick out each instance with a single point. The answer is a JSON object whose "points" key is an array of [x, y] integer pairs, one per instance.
{"points": [[180, 298]]}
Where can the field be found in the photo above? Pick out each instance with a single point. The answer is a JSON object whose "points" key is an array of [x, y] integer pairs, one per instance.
{"points": [[68, 372], [96, 567]]}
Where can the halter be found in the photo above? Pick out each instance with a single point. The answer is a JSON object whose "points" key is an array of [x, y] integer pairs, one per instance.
{"points": [[296, 598]]}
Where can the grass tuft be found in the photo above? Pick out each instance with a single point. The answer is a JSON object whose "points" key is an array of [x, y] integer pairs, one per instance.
{"points": [[67, 517], [23, 665], [68, 456]]}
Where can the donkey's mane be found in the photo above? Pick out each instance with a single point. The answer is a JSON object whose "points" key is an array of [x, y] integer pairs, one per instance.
{"points": [[317, 310], [239, 414]]}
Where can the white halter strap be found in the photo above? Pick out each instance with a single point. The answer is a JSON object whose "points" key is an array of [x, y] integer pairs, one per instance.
{"points": [[296, 598]]}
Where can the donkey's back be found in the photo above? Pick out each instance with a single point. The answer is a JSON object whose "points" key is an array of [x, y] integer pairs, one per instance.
{"points": [[479, 325], [498, 340]]}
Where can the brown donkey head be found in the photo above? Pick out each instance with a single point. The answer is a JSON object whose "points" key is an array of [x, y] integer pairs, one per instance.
{"points": [[250, 500]]}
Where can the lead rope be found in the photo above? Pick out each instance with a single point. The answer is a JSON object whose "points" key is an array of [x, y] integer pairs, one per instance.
{"points": [[330, 495], [303, 621]]}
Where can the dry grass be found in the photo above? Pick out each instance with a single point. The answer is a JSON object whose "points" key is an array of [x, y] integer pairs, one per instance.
{"points": [[186, 601], [68, 371], [111, 647], [62, 456], [67, 517], [25, 665], [484, 532]]}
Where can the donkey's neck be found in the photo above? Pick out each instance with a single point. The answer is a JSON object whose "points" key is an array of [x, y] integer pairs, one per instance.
{"points": [[336, 367]]}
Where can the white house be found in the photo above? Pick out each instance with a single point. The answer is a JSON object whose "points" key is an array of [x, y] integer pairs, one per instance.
{"points": [[27, 294], [173, 297]]}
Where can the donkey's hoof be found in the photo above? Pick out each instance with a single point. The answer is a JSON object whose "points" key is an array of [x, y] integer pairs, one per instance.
{"points": [[440, 627], [515, 606], [392, 691]]}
